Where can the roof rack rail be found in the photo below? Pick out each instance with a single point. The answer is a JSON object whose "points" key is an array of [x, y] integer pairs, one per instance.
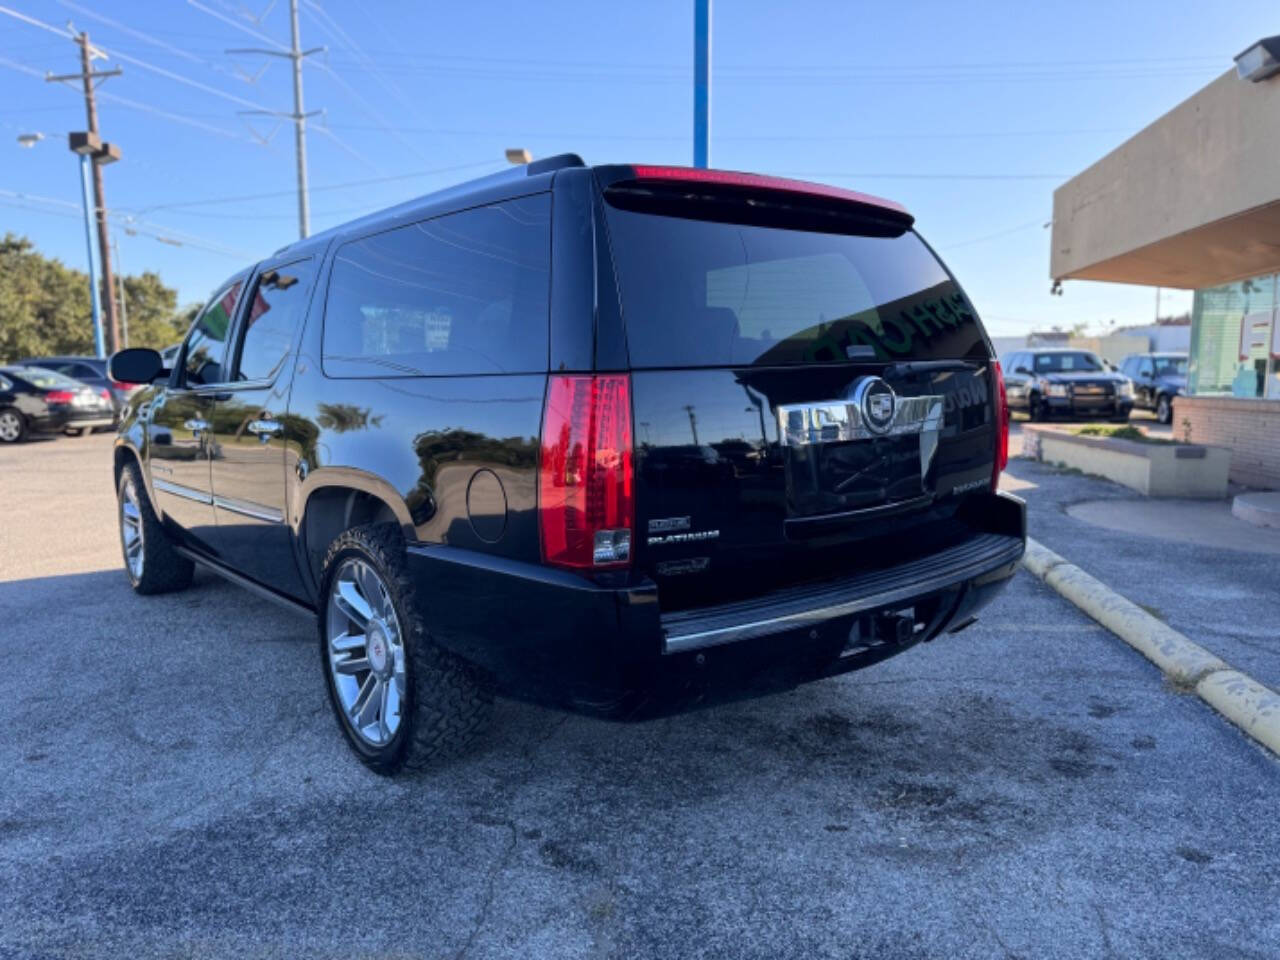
{"points": [[558, 162]]}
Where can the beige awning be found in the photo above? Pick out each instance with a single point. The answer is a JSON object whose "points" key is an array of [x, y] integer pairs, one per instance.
{"points": [[1191, 201]]}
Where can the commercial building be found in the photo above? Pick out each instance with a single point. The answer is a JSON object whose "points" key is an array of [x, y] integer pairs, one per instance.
{"points": [[1193, 201]]}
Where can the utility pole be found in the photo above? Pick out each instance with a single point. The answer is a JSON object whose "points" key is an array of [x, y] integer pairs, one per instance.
{"points": [[701, 83], [299, 125], [299, 116], [124, 310], [95, 300], [97, 153]]}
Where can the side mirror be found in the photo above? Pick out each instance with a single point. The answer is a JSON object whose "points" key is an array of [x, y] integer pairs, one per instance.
{"points": [[135, 365], [1023, 370]]}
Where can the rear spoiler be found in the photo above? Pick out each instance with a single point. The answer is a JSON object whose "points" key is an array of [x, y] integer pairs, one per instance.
{"points": [[754, 184]]}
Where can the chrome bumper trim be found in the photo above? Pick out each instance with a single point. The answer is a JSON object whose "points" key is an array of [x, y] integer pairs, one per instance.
{"points": [[801, 607]]}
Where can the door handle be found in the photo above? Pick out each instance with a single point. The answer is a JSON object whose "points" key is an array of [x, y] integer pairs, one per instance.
{"points": [[265, 429], [196, 425]]}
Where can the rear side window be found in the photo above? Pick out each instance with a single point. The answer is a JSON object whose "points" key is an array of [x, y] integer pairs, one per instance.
{"points": [[706, 293], [278, 305], [50, 379], [466, 293]]}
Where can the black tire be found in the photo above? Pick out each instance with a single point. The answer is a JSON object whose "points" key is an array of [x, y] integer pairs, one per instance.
{"points": [[163, 568], [11, 415], [1164, 408], [447, 700]]}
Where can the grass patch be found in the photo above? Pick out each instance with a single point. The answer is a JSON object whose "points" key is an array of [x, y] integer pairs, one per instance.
{"points": [[1126, 432]]}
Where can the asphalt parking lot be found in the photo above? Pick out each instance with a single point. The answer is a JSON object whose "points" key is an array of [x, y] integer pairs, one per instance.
{"points": [[174, 785]]}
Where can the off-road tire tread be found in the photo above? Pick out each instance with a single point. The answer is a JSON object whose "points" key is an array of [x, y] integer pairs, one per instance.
{"points": [[451, 699], [163, 568]]}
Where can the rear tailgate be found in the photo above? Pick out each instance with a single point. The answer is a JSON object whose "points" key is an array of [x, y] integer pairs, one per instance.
{"points": [[811, 393]]}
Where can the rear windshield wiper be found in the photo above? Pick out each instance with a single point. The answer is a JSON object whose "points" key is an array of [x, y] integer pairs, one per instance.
{"points": [[908, 367]]}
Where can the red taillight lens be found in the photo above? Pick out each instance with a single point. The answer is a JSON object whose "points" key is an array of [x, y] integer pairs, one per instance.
{"points": [[59, 396], [1002, 424], [586, 503], [105, 395], [122, 385]]}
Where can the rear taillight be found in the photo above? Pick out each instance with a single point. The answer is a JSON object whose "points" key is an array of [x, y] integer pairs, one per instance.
{"points": [[59, 396], [1002, 425], [586, 502], [106, 396], [122, 385]]}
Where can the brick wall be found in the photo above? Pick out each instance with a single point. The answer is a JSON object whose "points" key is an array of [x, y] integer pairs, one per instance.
{"points": [[1251, 428]]}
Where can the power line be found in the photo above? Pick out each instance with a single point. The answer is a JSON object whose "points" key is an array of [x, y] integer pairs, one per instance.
{"points": [[181, 204], [133, 104], [1038, 221], [127, 223], [329, 25], [782, 138]]}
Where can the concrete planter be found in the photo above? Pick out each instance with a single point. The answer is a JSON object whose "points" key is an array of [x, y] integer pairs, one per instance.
{"points": [[1153, 469]]}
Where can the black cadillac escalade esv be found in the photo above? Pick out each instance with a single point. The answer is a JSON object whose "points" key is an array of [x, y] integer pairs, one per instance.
{"points": [[619, 438]]}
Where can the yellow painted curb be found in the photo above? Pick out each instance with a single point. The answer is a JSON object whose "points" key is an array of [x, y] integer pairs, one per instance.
{"points": [[1253, 708], [1039, 559], [1185, 662]]}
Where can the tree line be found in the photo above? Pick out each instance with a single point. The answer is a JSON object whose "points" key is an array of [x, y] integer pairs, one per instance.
{"points": [[45, 308]]}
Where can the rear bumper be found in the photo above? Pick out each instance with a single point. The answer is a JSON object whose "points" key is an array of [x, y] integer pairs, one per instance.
{"points": [[51, 422], [89, 420], [556, 637]]}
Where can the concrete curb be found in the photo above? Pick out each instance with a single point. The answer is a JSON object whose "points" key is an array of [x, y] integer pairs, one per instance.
{"points": [[1252, 707]]}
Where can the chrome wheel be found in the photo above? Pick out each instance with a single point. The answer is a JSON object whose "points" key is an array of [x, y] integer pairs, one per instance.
{"points": [[131, 529], [10, 426], [366, 652]]}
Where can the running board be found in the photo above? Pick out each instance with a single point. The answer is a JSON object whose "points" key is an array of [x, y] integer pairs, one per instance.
{"points": [[242, 581]]}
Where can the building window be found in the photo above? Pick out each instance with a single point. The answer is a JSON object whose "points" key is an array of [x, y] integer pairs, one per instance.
{"points": [[1235, 340]]}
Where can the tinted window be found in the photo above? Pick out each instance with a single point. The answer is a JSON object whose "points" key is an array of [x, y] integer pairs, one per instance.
{"points": [[49, 379], [706, 293], [1171, 366], [279, 302], [206, 343], [463, 293], [1066, 362]]}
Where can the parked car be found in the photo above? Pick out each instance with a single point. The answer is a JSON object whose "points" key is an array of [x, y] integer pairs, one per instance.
{"points": [[91, 371], [1158, 378], [1064, 383], [483, 439], [35, 400]]}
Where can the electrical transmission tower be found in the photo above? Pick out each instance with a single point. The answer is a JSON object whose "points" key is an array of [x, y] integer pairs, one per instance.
{"points": [[299, 116]]}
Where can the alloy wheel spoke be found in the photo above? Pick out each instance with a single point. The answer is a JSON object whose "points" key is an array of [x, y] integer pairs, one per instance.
{"points": [[352, 604], [367, 695], [369, 586], [351, 665], [345, 643], [384, 728]]}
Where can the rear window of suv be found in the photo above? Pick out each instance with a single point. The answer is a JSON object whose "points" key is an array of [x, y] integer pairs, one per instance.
{"points": [[706, 293]]}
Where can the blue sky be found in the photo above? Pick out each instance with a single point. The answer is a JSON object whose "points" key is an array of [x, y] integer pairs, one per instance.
{"points": [[968, 113]]}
